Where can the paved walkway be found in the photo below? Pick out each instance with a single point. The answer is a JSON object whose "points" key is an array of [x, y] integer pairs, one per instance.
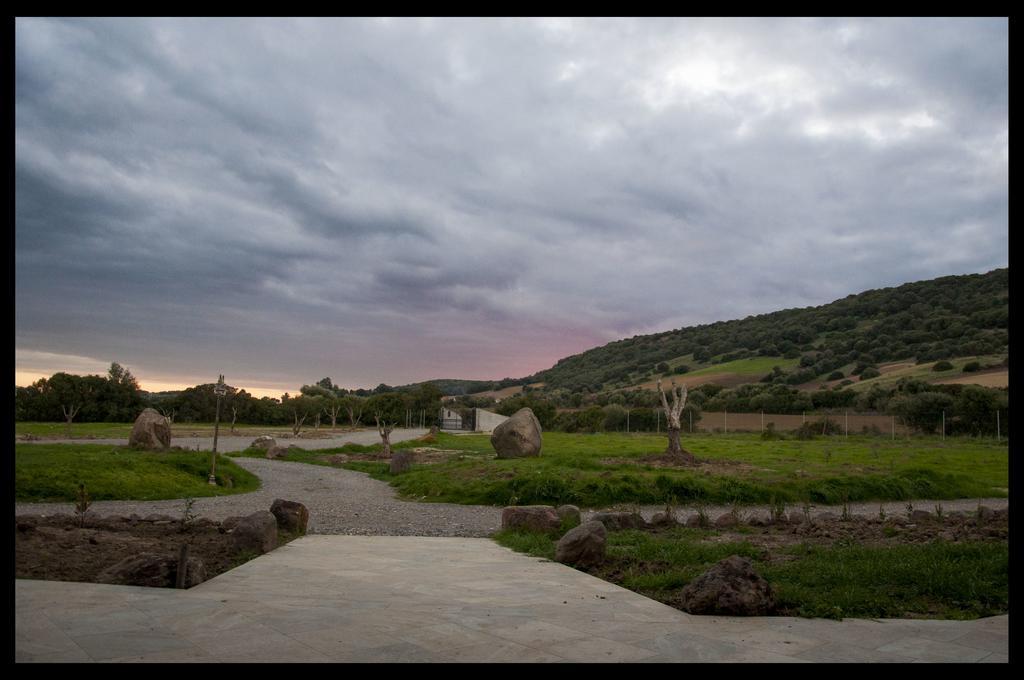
{"points": [[357, 598]]}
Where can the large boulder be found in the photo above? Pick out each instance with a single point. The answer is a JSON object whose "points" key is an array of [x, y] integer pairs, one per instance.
{"points": [[519, 436], [582, 546], [617, 521], [275, 452], [154, 571], [256, 532], [730, 588], [151, 431], [531, 517], [291, 516]]}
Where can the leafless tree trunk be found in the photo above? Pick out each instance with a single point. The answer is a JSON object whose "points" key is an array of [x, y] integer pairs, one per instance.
{"points": [[672, 416], [234, 417], [169, 414], [401, 461], [354, 415], [316, 421], [333, 412], [69, 414], [297, 426]]}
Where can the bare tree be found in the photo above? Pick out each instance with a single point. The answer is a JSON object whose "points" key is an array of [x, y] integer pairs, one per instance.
{"points": [[672, 416], [354, 407], [70, 412], [234, 417], [169, 414], [333, 410]]}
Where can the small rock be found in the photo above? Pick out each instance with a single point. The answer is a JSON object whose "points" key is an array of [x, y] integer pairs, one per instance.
{"points": [[276, 452], [263, 442], [663, 519], [616, 521], [693, 521], [256, 532], [531, 517], [569, 512], [727, 521], [291, 516], [921, 516]]}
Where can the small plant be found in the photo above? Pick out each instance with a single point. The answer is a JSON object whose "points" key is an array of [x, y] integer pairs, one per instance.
{"points": [[874, 450], [737, 510], [881, 512], [846, 516], [828, 455], [770, 433], [890, 531], [702, 515], [938, 510], [82, 504], [777, 508], [188, 517], [910, 509], [513, 500], [807, 511]]}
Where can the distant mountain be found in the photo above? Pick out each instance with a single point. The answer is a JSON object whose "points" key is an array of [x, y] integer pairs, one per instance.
{"points": [[944, 318]]}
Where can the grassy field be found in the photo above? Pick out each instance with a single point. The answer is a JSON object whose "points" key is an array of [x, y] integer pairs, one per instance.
{"points": [[597, 470], [123, 430], [930, 580], [728, 373], [52, 472], [925, 372]]}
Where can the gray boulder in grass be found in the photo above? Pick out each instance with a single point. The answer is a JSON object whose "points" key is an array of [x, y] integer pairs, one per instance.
{"points": [[150, 431], [519, 436], [583, 546]]}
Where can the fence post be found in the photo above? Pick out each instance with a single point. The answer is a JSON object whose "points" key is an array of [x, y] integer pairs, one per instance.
{"points": [[727, 421], [691, 421], [627, 421], [847, 414], [943, 424], [997, 426], [894, 428], [762, 422], [803, 417]]}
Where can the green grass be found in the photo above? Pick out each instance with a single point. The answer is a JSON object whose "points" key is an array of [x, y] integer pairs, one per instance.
{"points": [[52, 472], [933, 580], [924, 372], [754, 366], [597, 470]]}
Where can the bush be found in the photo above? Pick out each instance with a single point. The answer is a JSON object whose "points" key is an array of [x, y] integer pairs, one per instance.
{"points": [[942, 366], [971, 367], [870, 372], [836, 375], [680, 369]]}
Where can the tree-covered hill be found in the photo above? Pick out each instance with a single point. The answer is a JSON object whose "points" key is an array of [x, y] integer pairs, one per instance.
{"points": [[948, 317]]}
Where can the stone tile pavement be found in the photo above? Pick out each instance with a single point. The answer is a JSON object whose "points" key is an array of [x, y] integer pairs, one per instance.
{"points": [[427, 599]]}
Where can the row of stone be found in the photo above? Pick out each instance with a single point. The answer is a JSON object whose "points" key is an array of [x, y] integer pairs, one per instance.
{"points": [[731, 587]]}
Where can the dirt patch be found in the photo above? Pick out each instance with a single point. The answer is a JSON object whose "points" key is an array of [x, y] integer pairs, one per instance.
{"points": [[714, 467], [870, 531], [56, 548], [423, 455]]}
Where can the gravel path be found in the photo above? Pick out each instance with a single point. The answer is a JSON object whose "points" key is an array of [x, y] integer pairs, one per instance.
{"points": [[339, 501]]}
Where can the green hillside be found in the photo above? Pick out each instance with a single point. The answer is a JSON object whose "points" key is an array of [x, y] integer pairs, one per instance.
{"points": [[944, 318]]}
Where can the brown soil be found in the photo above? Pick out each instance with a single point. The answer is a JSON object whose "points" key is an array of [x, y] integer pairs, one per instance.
{"points": [[56, 548], [420, 455], [873, 531]]}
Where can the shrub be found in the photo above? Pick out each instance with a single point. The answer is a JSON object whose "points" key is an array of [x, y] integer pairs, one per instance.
{"points": [[836, 375], [870, 372], [942, 366], [972, 366]]}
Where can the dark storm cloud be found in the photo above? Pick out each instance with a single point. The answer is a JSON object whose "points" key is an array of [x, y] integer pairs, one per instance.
{"points": [[392, 200]]}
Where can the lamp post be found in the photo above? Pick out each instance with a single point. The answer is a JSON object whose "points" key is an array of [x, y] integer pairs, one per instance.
{"points": [[220, 391]]}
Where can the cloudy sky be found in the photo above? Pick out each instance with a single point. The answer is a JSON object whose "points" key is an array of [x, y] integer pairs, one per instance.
{"points": [[397, 200]]}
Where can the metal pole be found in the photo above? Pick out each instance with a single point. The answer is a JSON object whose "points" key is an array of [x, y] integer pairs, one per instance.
{"points": [[847, 424], [943, 424], [762, 422], [219, 391], [727, 421], [657, 420], [691, 421], [803, 417], [894, 428], [627, 421], [997, 425]]}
